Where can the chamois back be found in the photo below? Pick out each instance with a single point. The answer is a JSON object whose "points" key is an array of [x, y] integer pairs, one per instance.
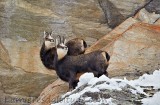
{"points": [[68, 67], [76, 46]]}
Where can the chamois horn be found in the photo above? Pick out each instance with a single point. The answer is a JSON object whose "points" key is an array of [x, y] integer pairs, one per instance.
{"points": [[56, 40], [63, 39]]}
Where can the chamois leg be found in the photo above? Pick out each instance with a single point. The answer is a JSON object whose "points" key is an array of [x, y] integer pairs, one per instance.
{"points": [[75, 83], [100, 69], [92, 70], [106, 73], [95, 73], [72, 80]]}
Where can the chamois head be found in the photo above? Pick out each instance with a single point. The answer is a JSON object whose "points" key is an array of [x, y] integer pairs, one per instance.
{"points": [[48, 40], [61, 48]]}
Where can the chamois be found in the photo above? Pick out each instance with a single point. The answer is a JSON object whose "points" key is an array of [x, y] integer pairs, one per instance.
{"points": [[68, 67], [76, 46], [47, 51]]}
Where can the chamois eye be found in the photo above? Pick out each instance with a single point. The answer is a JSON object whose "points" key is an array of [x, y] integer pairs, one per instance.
{"points": [[64, 47], [51, 40]]}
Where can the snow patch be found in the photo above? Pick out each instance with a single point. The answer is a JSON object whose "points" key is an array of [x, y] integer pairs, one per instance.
{"points": [[85, 78], [155, 100], [94, 84]]}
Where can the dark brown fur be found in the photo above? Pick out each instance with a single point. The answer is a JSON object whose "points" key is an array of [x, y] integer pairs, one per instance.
{"points": [[47, 55], [75, 47], [70, 66]]}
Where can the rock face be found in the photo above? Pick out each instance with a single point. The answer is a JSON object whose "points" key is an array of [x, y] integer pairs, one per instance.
{"points": [[117, 11], [28, 19], [51, 92], [4, 54], [25, 55], [154, 6], [16, 84], [22, 23], [140, 47], [146, 17], [112, 36], [134, 50], [158, 22], [137, 51]]}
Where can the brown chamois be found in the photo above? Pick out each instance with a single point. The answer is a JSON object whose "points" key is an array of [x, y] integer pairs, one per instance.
{"points": [[48, 50], [76, 46], [68, 67]]}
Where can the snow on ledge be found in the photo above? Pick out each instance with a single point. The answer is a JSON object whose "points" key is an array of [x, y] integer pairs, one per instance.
{"points": [[91, 85]]}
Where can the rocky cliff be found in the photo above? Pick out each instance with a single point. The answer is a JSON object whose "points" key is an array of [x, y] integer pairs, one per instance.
{"points": [[132, 42], [134, 49], [17, 84]]}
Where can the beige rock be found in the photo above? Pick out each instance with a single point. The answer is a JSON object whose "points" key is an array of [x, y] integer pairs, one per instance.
{"points": [[146, 17], [51, 93], [158, 22], [16, 84], [134, 49], [135, 52], [113, 35], [25, 55], [128, 7], [122, 56], [22, 23], [117, 11], [99, 44], [4, 54]]}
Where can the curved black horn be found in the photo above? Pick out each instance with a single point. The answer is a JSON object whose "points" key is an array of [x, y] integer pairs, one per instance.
{"points": [[63, 39], [57, 38]]}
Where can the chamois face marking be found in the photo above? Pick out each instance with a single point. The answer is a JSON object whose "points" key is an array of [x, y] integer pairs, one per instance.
{"points": [[61, 51], [48, 41]]}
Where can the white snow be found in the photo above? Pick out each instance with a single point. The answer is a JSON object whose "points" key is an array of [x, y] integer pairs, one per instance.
{"points": [[155, 100], [85, 78], [148, 80], [88, 79]]}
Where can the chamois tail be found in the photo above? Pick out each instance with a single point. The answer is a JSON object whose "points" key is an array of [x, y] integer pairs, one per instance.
{"points": [[107, 56]]}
